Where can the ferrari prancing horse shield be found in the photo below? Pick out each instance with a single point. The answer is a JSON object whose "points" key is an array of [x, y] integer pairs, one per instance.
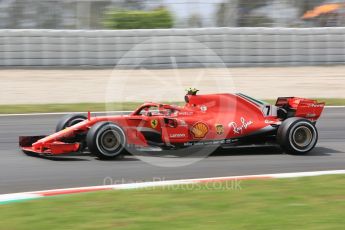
{"points": [[154, 123]]}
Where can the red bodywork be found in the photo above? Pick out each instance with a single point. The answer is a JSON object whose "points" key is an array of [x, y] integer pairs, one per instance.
{"points": [[218, 118]]}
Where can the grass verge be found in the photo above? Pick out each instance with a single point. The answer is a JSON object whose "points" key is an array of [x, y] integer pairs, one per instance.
{"points": [[80, 107], [300, 203], [73, 107]]}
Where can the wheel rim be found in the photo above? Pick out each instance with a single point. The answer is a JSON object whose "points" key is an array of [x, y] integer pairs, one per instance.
{"points": [[110, 140], [302, 137]]}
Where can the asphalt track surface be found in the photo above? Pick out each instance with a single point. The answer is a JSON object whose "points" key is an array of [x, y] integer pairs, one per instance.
{"points": [[19, 172]]}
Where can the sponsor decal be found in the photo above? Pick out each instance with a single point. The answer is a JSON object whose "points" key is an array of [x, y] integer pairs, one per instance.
{"points": [[203, 108], [239, 128], [215, 142], [184, 113], [183, 123], [154, 123], [177, 135], [199, 130], [316, 105], [219, 129]]}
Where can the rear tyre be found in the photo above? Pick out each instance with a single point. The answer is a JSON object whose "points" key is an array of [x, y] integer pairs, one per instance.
{"points": [[297, 135], [69, 120], [106, 140]]}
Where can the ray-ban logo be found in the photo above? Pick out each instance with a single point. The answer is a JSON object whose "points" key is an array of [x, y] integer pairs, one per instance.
{"points": [[239, 128]]}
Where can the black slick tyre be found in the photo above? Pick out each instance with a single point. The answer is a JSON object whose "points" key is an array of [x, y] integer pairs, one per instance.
{"points": [[69, 120], [106, 140], [297, 135]]}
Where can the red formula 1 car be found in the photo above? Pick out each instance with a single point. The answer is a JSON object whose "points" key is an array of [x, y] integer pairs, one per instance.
{"points": [[225, 120]]}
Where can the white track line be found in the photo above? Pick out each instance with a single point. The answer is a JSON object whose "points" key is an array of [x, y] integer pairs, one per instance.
{"points": [[335, 106], [103, 112], [5, 198]]}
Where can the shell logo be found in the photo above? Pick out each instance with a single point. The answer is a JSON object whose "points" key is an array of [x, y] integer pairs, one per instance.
{"points": [[199, 130]]}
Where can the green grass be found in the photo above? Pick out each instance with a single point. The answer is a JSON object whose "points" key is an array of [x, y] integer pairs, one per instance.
{"points": [[73, 107], [302, 203], [84, 107]]}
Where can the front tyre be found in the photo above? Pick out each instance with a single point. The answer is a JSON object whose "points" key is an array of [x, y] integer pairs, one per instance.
{"points": [[297, 135], [68, 121], [106, 140]]}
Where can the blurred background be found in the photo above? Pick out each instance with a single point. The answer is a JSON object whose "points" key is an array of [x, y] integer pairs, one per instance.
{"points": [[102, 32], [282, 41], [135, 14]]}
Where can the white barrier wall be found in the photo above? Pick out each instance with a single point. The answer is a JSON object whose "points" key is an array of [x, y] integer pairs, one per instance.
{"points": [[168, 47]]}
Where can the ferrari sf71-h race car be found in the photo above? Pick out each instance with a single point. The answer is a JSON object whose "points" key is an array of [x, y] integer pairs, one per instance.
{"points": [[224, 120]]}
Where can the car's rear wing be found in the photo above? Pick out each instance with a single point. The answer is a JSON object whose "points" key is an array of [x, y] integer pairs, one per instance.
{"points": [[301, 107]]}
